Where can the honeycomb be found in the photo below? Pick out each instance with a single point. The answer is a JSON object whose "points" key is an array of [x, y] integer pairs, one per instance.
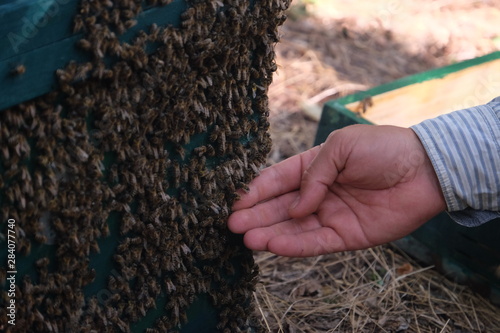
{"points": [[121, 179]]}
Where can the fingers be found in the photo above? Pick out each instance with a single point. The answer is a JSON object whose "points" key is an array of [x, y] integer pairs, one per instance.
{"points": [[295, 238], [317, 178], [262, 215], [308, 244], [278, 179], [258, 239]]}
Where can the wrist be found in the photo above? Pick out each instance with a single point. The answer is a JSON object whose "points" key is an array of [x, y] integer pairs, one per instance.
{"points": [[430, 180]]}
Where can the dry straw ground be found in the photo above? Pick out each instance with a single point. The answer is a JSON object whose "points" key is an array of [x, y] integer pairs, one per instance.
{"points": [[331, 48]]}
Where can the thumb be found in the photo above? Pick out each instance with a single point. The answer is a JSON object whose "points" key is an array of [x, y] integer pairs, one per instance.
{"points": [[317, 178]]}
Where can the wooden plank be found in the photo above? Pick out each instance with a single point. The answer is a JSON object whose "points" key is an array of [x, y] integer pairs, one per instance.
{"points": [[41, 59], [414, 103], [482, 87], [418, 78]]}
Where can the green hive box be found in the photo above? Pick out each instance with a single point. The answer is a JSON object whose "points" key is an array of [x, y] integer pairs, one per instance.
{"points": [[126, 129], [467, 255]]}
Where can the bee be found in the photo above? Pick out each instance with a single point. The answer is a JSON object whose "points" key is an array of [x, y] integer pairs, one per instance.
{"points": [[199, 151], [255, 169], [99, 70], [188, 15], [185, 173], [130, 23], [83, 70], [40, 238], [94, 246], [153, 286], [112, 283], [209, 187], [120, 323], [141, 308], [18, 70], [193, 217], [185, 249], [141, 59], [210, 150], [364, 105], [119, 260], [170, 286], [173, 213], [5, 152], [124, 246], [20, 144], [221, 149], [183, 195], [144, 268], [193, 202], [162, 325], [208, 221], [113, 298], [81, 154], [154, 32], [185, 222], [179, 149], [214, 207]]}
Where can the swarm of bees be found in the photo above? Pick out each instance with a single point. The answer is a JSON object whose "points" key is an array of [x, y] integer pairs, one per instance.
{"points": [[121, 180]]}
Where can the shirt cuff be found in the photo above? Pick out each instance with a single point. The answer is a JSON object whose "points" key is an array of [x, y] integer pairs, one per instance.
{"points": [[464, 148], [473, 218]]}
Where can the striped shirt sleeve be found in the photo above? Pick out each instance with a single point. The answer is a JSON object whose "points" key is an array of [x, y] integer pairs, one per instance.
{"points": [[464, 148]]}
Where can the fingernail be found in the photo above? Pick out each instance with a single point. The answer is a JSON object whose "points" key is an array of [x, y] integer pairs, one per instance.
{"points": [[295, 203]]}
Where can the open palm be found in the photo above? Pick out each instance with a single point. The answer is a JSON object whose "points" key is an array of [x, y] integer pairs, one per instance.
{"points": [[365, 186]]}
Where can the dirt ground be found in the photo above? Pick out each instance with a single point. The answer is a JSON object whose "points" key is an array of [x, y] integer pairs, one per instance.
{"points": [[330, 48]]}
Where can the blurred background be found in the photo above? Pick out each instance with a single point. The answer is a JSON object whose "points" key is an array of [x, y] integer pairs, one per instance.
{"points": [[329, 49]]}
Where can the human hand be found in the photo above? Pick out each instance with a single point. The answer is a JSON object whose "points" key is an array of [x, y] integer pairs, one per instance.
{"points": [[366, 185]]}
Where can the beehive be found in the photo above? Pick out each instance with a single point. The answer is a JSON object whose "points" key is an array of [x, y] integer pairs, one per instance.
{"points": [[467, 255], [126, 129]]}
